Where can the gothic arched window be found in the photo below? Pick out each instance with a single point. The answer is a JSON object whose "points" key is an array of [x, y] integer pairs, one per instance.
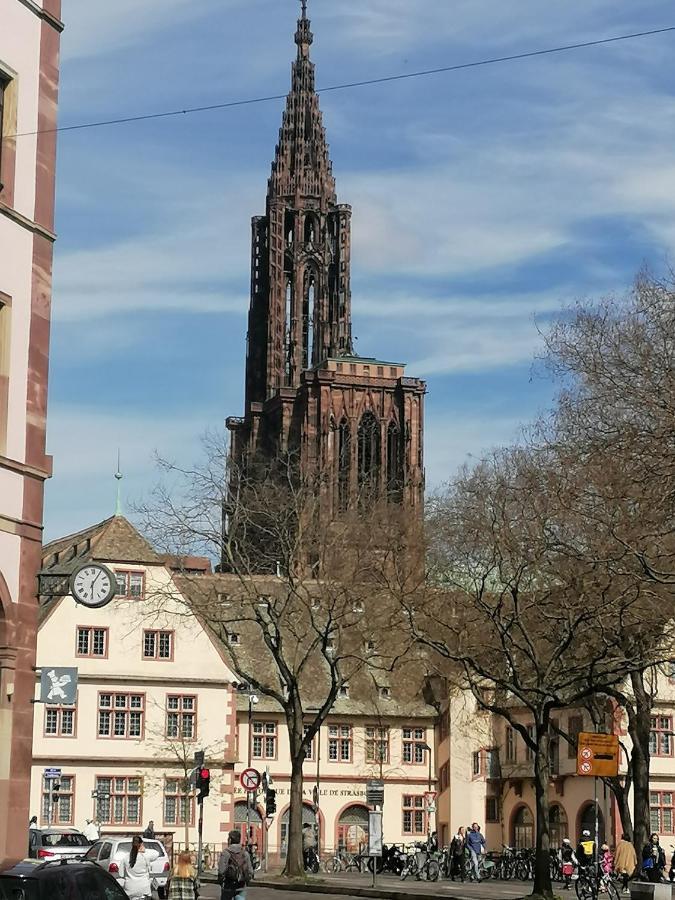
{"points": [[344, 463], [310, 228], [289, 226], [394, 462], [369, 457], [308, 320], [289, 330]]}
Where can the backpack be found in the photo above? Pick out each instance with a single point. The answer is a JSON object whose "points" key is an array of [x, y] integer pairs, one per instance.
{"points": [[234, 874]]}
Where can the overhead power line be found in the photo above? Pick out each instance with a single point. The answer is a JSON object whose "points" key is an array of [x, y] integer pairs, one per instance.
{"points": [[423, 73]]}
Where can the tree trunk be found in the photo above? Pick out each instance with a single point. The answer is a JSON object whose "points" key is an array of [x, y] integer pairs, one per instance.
{"points": [[294, 859], [639, 727], [542, 776], [621, 792]]}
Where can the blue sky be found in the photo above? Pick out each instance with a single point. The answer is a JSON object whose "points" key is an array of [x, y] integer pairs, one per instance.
{"points": [[484, 202]]}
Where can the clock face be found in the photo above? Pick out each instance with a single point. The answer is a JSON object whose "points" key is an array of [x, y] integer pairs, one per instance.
{"points": [[92, 585]]}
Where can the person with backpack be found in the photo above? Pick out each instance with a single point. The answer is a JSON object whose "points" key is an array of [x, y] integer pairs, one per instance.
{"points": [[235, 871]]}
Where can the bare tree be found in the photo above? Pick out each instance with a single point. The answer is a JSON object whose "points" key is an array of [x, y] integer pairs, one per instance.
{"points": [[297, 600], [518, 620]]}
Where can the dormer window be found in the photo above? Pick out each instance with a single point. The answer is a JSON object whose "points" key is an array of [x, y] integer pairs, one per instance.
{"points": [[385, 693], [343, 691], [357, 606], [233, 638], [370, 646], [224, 599]]}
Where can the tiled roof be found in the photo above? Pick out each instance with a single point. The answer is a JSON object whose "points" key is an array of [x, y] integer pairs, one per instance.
{"points": [[112, 540]]}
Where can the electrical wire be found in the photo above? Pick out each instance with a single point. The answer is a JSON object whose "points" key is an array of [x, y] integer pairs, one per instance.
{"points": [[350, 85]]}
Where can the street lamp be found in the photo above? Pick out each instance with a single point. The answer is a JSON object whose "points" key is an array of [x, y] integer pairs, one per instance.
{"points": [[427, 748], [252, 701]]}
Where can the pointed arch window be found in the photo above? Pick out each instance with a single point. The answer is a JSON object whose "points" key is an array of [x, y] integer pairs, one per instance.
{"points": [[368, 457], [344, 463], [289, 227], [394, 480], [310, 228], [289, 331], [308, 320]]}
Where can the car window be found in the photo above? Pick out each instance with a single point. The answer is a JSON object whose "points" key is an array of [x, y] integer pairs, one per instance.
{"points": [[125, 847], [92, 852], [105, 852], [13, 889], [59, 884], [55, 839], [96, 885]]}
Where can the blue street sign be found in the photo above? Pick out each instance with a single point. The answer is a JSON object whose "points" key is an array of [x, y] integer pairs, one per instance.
{"points": [[52, 774]]}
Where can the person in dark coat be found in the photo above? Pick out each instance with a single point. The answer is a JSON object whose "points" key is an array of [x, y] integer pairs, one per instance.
{"points": [[653, 860]]}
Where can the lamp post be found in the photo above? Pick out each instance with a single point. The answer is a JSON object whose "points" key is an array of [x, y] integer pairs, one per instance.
{"points": [[315, 711], [252, 700], [428, 751]]}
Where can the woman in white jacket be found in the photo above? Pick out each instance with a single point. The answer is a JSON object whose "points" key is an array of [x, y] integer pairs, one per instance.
{"points": [[137, 872]]}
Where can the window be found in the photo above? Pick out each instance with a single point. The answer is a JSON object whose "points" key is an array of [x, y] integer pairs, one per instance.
{"points": [[661, 736], [121, 715], [225, 599], [444, 777], [370, 646], [122, 805], [575, 725], [158, 645], [130, 585], [510, 744], [60, 721], [340, 743], [393, 462], [414, 745], [368, 458], [357, 606], [476, 763], [661, 812], [264, 740], [310, 751], [491, 766], [377, 744], [414, 815], [444, 726], [181, 716], [62, 802], [492, 810], [233, 638], [385, 693], [5, 323], [92, 642], [529, 755], [179, 808], [4, 84], [344, 463], [343, 691]]}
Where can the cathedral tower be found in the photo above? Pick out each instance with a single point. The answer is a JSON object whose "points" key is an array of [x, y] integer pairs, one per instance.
{"points": [[355, 421]]}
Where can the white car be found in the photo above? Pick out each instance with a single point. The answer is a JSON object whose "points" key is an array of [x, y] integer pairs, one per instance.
{"points": [[108, 852]]}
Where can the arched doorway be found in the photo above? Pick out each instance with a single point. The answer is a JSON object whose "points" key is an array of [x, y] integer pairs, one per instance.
{"points": [[352, 828], [308, 818], [522, 828], [257, 835], [557, 825], [587, 821]]}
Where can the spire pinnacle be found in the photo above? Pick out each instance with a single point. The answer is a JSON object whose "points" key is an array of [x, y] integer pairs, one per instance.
{"points": [[303, 36], [304, 8], [118, 478]]}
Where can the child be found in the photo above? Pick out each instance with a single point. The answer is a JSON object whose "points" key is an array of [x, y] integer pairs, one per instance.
{"points": [[606, 865], [568, 861]]}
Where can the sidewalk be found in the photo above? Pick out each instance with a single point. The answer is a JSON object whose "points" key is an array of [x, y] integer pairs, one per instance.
{"points": [[388, 887]]}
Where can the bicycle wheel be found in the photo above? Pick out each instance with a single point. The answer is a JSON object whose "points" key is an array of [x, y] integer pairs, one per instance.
{"points": [[332, 865], [613, 892], [432, 870], [585, 888]]}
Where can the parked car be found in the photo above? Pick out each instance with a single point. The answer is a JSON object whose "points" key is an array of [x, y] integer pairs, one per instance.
{"points": [[48, 843], [108, 852], [58, 879]]}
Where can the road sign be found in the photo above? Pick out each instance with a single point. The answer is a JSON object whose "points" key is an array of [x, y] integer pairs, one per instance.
{"points": [[598, 755], [58, 685], [52, 774], [429, 797], [250, 779], [375, 792], [375, 832]]}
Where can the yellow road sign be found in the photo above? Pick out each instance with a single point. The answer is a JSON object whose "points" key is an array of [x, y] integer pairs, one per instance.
{"points": [[597, 754]]}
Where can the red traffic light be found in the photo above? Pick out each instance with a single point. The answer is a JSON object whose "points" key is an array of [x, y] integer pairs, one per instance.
{"points": [[204, 774]]}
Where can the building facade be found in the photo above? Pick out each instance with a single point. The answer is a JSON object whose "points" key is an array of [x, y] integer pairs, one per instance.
{"points": [[356, 423], [152, 689], [29, 73]]}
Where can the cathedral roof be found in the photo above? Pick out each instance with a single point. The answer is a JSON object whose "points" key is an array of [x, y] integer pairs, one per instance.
{"points": [[302, 164]]}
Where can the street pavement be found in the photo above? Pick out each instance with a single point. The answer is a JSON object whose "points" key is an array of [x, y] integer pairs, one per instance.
{"points": [[487, 890]]}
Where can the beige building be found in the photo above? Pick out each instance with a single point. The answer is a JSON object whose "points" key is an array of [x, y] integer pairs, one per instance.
{"points": [[485, 775], [148, 669], [153, 688], [29, 74]]}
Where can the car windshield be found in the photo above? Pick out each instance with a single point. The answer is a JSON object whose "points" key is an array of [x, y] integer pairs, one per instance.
{"points": [[15, 889], [55, 839], [125, 847]]}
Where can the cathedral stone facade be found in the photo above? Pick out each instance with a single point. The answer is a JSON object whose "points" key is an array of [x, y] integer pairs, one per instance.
{"points": [[355, 422]]}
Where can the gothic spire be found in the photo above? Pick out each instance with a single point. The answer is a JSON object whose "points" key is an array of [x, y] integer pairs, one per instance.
{"points": [[302, 165]]}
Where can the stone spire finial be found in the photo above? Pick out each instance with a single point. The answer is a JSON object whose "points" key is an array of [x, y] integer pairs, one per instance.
{"points": [[304, 8]]}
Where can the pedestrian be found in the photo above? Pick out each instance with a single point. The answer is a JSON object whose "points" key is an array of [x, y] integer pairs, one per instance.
{"points": [[586, 849], [234, 869], [90, 831], [653, 859], [150, 830], [568, 862], [309, 855], [33, 822], [606, 864], [137, 870], [476, 844], [457, 848], [183, 884], [625, 861]]}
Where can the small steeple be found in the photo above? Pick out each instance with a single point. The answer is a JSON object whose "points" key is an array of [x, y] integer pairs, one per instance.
{"points": [[118, 478], [303, 36]]}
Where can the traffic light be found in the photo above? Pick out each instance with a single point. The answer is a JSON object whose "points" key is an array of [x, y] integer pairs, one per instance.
{"points": [[56, 787], [270, 802], [203, 784]]}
